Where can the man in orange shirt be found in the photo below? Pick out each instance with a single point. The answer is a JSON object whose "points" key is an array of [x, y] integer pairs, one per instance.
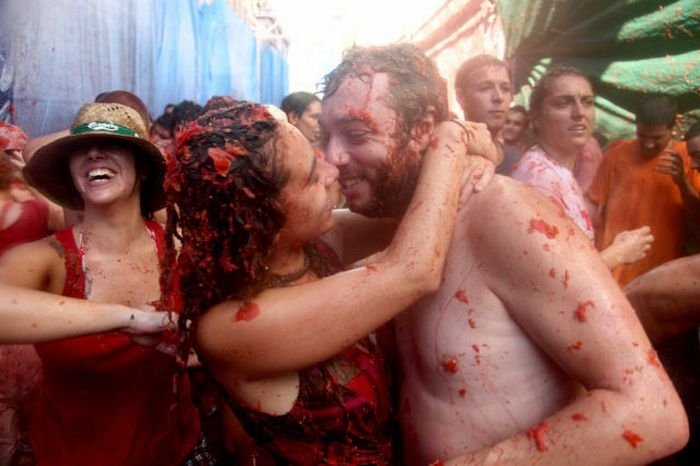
{"points": [[645, 181]]}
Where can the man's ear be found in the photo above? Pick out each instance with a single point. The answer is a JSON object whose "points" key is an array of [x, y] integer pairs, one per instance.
{"points": [[422, 130]]}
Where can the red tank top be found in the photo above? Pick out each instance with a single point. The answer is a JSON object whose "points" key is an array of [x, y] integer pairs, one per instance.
{"points": [[105, 400], [343, 414], [31, 225]]}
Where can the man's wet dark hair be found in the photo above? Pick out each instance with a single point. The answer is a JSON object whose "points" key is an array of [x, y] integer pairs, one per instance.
{"points": [[657, 110], [416, 83]]}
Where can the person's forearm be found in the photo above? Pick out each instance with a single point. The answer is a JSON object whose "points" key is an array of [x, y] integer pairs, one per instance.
{"points": [[610, 257], [602, 427], [423, 236], [29, 316]]}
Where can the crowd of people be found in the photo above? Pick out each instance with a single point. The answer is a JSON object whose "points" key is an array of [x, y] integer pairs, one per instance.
{"points": [[188, 291]]}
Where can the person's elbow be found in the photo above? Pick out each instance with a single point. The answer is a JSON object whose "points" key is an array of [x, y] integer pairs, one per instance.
{"points": [[433, 279], [419, 269], [677, 434], [416, 276], [669, 423], [426, 276]]}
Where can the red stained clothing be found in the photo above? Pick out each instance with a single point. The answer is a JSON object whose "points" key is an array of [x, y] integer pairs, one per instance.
{"points": [[342, 416], [629, 194], [20, 367], [31, 225], [105, 400], [20, 373], [555, 181]]}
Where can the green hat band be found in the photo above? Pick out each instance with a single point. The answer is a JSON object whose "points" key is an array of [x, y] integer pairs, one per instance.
{"points": [[104, 127]]}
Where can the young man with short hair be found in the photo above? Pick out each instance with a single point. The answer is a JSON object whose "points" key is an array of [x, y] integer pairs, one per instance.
{"points": [[484, 91]]}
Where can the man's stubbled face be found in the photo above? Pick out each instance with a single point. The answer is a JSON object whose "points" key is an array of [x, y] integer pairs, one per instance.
{"points": [[362, 137]]}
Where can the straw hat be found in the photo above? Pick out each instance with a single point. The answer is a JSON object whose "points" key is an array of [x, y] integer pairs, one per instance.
{"points": [[48, 170]]}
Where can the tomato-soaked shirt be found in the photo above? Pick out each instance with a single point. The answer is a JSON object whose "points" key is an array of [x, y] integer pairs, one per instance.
{"points": [[20, 367], [106, 400], [343, 413], [629, 194], [33, 224], [556, 182]]}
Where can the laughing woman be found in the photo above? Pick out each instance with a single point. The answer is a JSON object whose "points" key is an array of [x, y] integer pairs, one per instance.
{"points": [[104, 400], [283, 332]]}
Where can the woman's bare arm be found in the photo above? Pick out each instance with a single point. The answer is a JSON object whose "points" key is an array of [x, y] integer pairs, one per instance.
{"points": [[31, 314], [286, 329]]}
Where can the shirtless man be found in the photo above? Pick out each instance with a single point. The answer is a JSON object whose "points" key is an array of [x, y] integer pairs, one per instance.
{"points": [[529, 352]]}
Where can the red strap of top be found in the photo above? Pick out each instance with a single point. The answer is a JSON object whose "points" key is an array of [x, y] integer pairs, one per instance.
{"points": [[74, 286]]}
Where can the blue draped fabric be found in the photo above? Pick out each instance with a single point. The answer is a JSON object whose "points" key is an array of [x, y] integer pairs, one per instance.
{"points": [[175, 72], [59, 55], [274, 70]]}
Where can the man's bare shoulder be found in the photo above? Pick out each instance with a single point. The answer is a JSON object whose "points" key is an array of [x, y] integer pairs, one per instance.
{"points": [[508, 219], [505, 198]]}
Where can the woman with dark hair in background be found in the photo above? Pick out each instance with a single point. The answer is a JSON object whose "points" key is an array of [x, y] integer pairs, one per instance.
{"points": [[563, 116], [303, 110]]}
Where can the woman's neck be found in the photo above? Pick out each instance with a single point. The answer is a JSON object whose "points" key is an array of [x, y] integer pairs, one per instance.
{"points": [[287, 267], [565, 158], [286, 261], [112, 230]]}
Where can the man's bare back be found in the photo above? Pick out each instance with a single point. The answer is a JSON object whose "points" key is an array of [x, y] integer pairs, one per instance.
{"points": [[528, 345]]}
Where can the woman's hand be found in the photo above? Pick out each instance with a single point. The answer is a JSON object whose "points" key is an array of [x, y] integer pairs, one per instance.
{"points": [[473, 141], [480, 142], [146, 327], [628, 247]]}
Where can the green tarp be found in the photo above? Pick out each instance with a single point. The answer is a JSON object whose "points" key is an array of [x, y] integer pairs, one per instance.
{"points": [[628, 48]]}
